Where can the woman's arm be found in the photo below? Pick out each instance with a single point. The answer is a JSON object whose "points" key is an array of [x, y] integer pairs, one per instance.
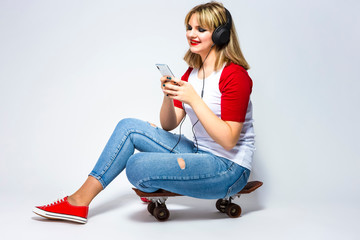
{"points": [[170, 116], [225, 133]]}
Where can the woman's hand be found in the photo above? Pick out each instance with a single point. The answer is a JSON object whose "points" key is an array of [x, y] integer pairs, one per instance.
{"points": [[163, 81], [180, 90], [166, 82]]}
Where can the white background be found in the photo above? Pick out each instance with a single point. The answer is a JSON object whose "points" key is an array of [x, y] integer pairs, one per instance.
{"points": [[70, 70]]}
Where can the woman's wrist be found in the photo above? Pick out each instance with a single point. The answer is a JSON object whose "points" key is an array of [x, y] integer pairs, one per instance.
{"points": [[168, 100], [195, 101]]}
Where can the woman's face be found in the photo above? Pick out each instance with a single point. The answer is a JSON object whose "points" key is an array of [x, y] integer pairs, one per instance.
{"points": [[199, 38]]}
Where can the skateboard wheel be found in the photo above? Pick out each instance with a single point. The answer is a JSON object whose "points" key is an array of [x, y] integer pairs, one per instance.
{"points": [[151, 206], [221, 205], [161, 213], [233, 210]]}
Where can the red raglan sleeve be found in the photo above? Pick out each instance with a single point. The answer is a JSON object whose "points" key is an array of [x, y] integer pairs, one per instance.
{"points": [[235, 86], [185, 77]]}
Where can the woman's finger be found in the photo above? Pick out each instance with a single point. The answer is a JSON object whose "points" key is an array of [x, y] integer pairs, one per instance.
{"points": [[165, 79], [172, 87], [170, 92], [177, 81]]}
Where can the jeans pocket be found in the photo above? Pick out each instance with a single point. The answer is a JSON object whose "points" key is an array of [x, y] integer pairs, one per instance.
{"points": [[239, 183]]}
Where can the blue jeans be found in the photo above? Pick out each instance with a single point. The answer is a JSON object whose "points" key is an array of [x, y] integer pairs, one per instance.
{"points": [[205, 175]]}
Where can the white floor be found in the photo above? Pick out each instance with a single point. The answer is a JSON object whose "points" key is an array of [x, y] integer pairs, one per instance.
{"points": [[123, 216]]}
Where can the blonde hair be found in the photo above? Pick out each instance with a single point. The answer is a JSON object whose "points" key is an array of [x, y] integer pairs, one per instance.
{"points": [[210, 16]]}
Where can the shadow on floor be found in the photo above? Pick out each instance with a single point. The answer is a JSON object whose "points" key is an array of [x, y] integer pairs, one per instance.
{"points": [[118, 201]]}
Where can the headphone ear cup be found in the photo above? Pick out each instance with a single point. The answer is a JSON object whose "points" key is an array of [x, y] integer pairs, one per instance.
{"points": [[221, 36]]}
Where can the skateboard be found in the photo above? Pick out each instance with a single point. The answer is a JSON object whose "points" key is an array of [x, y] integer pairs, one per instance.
{"points": [[158, 209]]}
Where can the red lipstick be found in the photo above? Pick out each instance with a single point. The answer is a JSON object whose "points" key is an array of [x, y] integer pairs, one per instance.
{"points": [[194, 42]]}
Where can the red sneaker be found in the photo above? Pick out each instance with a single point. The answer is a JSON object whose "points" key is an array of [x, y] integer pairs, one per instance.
{"points": [[62, 209], [145, 200]]}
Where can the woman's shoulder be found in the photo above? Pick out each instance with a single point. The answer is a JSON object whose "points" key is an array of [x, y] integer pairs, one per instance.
{"points": [[233, 67], [234, 76], [232, 70]]}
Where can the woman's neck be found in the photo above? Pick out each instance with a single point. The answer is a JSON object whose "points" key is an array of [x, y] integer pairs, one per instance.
{"points": [[209, 64], [209, 60]]}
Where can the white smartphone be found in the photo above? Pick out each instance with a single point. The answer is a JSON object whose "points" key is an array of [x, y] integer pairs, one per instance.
{"points": [[164, 70]]}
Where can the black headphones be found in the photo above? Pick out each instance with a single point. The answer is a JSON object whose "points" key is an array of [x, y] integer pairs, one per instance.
{"points": [[221, 35]]}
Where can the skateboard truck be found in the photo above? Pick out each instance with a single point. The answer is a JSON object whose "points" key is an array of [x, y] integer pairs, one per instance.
{"points": [[158, 209]]}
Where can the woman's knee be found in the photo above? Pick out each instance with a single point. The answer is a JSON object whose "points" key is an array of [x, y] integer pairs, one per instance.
{"points": [[134, 167], [127, 123], [137, 174], [134, 124]]}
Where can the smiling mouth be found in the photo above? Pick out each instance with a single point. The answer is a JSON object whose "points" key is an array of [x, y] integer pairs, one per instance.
{"points": [[193, 42]]}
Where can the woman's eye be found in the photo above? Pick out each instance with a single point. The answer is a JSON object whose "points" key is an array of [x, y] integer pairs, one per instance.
{"points": [[201, 29], [188, 28]]}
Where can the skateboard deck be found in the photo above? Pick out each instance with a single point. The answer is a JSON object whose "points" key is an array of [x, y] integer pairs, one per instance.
{"points": [[158, 209]]}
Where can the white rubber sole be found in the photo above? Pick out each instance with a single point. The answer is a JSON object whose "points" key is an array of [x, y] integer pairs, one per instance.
{"points": [[60, 216]]}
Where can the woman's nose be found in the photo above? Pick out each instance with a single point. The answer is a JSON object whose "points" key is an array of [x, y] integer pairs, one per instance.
{"points": [[192, 33]]}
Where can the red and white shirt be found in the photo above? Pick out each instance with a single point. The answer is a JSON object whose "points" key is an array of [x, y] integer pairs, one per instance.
{"points": [[227, 94]]}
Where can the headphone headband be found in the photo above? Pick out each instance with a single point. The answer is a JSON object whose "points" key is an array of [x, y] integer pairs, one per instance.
{"points": [[228, 23]]}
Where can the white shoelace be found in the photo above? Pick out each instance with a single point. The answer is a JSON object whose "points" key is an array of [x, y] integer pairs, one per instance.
{"points": [[59, 200]]}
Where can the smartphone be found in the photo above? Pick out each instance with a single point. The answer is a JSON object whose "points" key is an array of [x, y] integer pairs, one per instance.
{"points": [[164, 70]]}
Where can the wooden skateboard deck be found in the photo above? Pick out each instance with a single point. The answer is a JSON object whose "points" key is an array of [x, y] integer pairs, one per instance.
{"points": [[250, 187], [159, 210]]}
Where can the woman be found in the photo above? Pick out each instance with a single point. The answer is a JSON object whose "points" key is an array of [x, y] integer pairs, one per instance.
{"points": [[215, 93]]}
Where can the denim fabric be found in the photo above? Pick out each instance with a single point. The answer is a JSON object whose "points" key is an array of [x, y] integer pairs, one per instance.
{"points": [[205, 175]]}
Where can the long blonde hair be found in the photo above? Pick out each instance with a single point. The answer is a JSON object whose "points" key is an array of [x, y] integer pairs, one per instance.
{"points": [[211, 15]]}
